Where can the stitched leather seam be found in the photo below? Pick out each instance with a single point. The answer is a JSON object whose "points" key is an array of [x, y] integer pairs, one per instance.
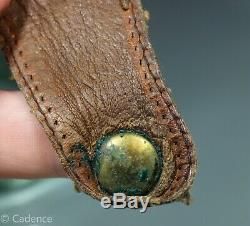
{"points": [[42, 99], [180, 165], [26, 83], [72, 173]]}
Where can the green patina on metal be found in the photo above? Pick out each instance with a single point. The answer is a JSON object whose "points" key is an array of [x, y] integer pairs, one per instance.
{"points": [[127, 161], [79, 148]]}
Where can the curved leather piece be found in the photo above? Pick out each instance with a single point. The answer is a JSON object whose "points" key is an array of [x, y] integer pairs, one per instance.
{"points": [[86, 68]]}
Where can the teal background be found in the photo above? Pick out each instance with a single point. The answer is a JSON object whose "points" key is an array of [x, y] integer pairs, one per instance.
{"points": [[204, 49]]}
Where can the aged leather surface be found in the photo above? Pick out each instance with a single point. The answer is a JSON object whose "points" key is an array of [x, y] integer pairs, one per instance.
{"points": [[86, 68]]}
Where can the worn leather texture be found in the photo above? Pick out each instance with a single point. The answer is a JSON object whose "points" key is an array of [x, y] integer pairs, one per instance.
{"points": [[86, 68]]}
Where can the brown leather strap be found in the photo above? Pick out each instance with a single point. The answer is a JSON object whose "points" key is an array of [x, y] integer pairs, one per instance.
{"points": [[86, 68]]}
